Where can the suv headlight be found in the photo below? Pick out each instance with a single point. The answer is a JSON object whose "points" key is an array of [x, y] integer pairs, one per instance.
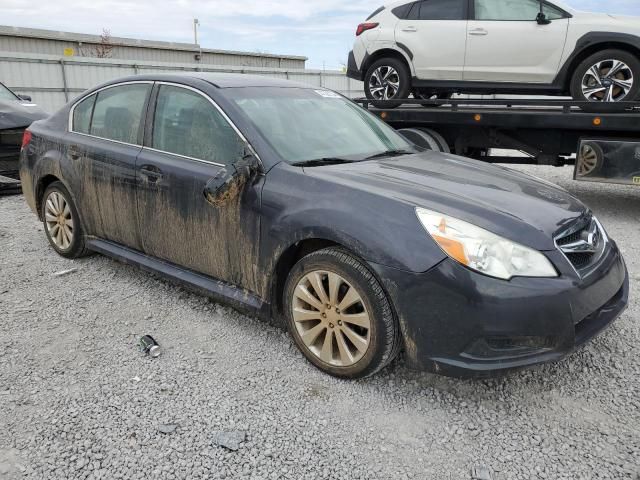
{"points": [[484, 251]]}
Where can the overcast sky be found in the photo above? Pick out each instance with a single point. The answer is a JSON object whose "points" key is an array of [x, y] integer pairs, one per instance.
{"points": [[322, 30]]}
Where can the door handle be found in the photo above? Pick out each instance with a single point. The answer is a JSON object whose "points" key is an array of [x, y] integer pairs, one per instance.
{"points": [[74, 152], [151, 173], [410, 29], [479, 32]]}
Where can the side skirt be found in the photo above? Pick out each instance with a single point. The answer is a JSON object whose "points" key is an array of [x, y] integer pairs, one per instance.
{"points": [[219, 291]]}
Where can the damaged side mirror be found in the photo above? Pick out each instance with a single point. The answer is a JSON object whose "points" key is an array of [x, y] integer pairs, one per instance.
{"points": [[229, 183]]}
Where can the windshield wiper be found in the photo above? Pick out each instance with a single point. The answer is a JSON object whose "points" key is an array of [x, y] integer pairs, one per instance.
{"points": [[390, 153], [318, 162]]}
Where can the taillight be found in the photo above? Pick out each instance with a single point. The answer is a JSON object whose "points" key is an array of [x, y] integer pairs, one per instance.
{"points": [[26, 139], [363, 27]]}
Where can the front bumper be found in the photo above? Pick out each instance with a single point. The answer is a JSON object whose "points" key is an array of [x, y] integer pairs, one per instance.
{"points": [[460, 323]]}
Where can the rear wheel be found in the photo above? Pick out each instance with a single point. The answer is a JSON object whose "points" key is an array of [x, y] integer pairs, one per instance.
{"points": [[590, 159], [62, 222], [388, 79], [339, 315], [607, 76]]}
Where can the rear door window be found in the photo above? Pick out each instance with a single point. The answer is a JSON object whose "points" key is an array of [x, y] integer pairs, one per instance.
{"points": [[442, 10], [118, 113], [188, 124]]}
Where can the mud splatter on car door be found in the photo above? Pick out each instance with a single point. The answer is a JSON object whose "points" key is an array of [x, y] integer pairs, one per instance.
{"points": [[198, 197]]}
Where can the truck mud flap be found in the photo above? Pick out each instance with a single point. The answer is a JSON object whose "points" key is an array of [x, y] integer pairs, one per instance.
{"points": [[612, 161]]}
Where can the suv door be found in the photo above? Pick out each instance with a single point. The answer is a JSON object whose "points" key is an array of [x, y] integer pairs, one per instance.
{"points": [[434, 31], [506, 43], [104, 139], [189, 142]]}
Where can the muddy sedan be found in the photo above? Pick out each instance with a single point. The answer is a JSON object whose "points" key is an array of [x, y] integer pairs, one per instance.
{"points": [[292, 202]]}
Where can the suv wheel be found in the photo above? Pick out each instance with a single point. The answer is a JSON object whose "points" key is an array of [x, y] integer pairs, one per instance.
{"points": [[339, 316], [607, 76], [387, 79], [62, 222]]}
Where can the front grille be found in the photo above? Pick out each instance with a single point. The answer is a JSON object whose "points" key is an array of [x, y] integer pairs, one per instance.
{"points": [[583, 244]]}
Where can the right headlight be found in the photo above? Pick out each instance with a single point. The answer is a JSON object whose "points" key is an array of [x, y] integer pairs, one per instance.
{"points": [[483, 251]]}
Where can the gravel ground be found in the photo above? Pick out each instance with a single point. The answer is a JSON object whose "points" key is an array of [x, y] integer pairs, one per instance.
{"points": [[77, 400]]}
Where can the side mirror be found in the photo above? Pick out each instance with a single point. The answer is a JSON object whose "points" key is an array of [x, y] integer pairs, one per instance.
{"points": [[229, 183], [26, 98], [542, 19]]}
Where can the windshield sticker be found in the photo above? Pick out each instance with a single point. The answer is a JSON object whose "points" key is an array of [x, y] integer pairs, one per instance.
{"points": [[327, 94]]}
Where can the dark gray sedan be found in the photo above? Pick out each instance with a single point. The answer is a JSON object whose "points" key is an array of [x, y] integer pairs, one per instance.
{"points": [[292, 202]]}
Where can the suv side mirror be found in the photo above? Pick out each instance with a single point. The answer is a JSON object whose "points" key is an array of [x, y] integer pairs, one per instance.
{"points": [[542, 19], [26, 98], [231, 180]]}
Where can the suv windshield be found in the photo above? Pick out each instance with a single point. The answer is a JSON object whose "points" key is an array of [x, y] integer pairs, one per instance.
{"points": [[304, 124], [6, 94]]}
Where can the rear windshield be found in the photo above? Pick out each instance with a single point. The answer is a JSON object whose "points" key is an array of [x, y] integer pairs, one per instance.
{"points": [[375, 13], [304, 124]]}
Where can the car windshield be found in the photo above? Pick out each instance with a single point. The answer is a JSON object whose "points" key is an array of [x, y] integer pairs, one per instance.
{"points": [[302, 125], [6, 94]]}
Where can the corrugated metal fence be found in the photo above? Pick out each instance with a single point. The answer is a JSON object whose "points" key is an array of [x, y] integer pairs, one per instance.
{"points": [[52, 81]]}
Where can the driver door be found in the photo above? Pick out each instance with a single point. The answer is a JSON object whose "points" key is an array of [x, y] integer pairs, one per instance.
{"points": [[505, 43], [189, 144]]}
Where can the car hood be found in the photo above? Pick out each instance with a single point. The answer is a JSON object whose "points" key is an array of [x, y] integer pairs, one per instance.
{"points": [[516, 206], [14, 114]]}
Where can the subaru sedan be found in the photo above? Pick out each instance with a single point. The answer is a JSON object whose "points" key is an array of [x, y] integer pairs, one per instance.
{"points": [[291, 202]]}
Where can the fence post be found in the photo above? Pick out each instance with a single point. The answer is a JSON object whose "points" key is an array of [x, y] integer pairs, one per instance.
{"points": [[65, 86]]}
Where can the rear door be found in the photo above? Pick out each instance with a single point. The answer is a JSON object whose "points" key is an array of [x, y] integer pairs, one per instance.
{"points": [[435, 32], [506, 43], [105, 138], [189, 142]]}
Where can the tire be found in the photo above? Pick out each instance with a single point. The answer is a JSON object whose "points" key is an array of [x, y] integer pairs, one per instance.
{"points": [[444, 146], [418, 95], [420, 138], [604, 60], [381, 333], [590, 160], [57, 200], [376, 73]]}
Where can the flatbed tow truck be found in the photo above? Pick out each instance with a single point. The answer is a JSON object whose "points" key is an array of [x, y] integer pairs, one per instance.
{"points": [[602, 140]]}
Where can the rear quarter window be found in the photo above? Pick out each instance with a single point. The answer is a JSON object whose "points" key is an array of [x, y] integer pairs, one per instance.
{"points": [[402, 12], [82, 115]]}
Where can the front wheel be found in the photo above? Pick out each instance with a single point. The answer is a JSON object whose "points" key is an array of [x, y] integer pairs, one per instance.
{"points": [[387, 81], [339, 315], [607, 76]]}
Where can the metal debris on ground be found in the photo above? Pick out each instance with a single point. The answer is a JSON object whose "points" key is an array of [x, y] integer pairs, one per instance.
{"points": [[480, 472], [64, 273], [149, 346], [168, 428], [229, 440]]}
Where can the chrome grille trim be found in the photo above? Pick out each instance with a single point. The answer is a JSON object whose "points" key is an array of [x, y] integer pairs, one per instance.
{"points": [[583, 244]]}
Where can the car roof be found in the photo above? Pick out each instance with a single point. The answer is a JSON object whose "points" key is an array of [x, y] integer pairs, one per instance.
{"points": [[218, 80]]}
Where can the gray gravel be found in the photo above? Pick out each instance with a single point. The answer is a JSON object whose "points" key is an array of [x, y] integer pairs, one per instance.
{"points": [[78, 400]]}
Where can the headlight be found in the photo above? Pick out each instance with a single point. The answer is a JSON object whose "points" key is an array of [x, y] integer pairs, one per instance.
{"points": [[484, 251]]}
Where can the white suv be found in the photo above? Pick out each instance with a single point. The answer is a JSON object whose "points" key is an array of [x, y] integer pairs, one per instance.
{"points": [[434, 48]]}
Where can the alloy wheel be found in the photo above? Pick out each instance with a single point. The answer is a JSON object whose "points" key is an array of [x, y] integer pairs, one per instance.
{"points": [[331, 318], [607, 81], [384, 83], [59, 220]]}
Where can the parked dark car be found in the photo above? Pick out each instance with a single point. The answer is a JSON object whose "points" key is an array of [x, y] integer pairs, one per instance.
{"points": [[288, 201], [16, 114]]}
